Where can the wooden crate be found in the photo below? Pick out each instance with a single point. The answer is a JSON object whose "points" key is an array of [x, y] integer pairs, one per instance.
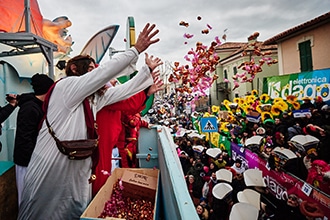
{"points": [[8, 191], [96, 206]]}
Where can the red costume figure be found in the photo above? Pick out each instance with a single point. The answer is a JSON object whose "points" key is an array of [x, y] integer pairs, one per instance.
{"points": [[316, 175], [132, 124], [109, 124]]}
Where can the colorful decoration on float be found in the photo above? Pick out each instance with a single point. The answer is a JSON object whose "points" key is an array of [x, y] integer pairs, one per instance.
{"points": [[99, 43], [12, 17], [56, 31], [130, 32], [12, 13]]}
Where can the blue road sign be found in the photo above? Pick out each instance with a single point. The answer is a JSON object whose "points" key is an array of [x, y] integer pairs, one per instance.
{"points": [[209, 124]]}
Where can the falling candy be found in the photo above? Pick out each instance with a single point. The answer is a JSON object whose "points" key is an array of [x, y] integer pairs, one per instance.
{"points": [[253, 36], [124, 207], [104, 172], [200, 76], [236, 85], [182, 23], [188, 36], [217, 40], [205, 31], [120, 182], [252, 68]]}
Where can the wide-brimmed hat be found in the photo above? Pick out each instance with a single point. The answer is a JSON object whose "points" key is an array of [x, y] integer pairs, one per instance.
{"points": [[193, 134], [213, 152], [198, 148], [325, 108], [249, 196], [253, 177], [305, 140], [221, 190], [243, 211], [261, 131], [181, 132], [284, 153], [269, 121], [265, 107], [225, 175], [254, 140]]}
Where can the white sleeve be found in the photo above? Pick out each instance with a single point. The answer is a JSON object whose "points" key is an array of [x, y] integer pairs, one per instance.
{"points": [[138, 83], [76, 89]]}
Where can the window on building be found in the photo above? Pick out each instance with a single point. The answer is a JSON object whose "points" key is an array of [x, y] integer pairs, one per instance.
{"points": [[305, 51], [225, 74], [235, 70]]}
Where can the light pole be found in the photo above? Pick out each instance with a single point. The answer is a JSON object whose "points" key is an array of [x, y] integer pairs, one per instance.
{"points": [[165, 82], [166, 69], [113, 51]]}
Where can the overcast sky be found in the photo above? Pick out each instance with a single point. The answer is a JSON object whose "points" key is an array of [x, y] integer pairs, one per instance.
{"points": [[241, 18]]}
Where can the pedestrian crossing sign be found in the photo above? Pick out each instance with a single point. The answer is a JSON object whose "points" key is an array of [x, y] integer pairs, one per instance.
{"points": [[209, 124]]}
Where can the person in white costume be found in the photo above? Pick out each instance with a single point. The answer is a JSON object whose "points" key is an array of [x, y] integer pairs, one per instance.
{"points": [[237, 166], [55, 186]]}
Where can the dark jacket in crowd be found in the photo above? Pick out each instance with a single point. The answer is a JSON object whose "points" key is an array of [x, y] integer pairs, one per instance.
{"points": [[27, 128], [307, 105], [324, 149], [4, 114], [289, 213], [221, 209]]}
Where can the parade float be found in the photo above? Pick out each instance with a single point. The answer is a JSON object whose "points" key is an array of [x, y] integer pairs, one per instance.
{"points": [[45, 44], [30, 44]]}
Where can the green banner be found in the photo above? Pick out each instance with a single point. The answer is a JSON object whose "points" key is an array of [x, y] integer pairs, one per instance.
{"points": [[307, 84]]}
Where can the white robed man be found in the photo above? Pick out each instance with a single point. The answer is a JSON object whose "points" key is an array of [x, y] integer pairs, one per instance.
{"points": [[55, 186]]}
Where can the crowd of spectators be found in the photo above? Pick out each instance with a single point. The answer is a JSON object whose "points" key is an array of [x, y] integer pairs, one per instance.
{"points": [[276, 122]]}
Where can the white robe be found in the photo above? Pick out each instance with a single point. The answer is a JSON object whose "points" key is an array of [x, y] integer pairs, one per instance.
{"points": [[56, 187]]}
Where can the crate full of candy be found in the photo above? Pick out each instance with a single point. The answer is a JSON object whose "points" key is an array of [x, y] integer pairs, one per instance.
{"points": [[127, 194]]}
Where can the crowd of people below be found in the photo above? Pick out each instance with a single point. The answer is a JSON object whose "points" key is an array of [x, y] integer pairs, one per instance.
{"points": [[310, 163]]}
